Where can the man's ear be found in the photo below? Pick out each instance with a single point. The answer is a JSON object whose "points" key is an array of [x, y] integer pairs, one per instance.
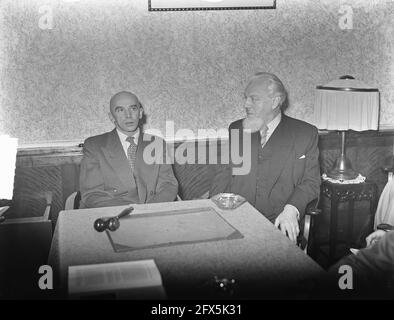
{"points": [[276, 102], [141, 112], [111, 117]]}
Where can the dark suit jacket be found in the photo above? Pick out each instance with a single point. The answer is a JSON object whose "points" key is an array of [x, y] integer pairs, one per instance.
{"points": [[105, 176], [291, 168], [372, 267]]}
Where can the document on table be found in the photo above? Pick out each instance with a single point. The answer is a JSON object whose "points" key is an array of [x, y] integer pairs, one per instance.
{"points": [[168, 228], [131, 279]]}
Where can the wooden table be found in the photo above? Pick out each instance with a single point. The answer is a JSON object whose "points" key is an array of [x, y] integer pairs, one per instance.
{"points": [[264, 263]]}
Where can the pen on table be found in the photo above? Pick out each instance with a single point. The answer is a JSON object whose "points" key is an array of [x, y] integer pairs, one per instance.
{"points": [[125, 212]]}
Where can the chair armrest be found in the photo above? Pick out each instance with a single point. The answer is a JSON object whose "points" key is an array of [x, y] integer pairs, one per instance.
{"points": [[47, 195], [389, 171], [311, 208], [388, 167], [310, 212]]}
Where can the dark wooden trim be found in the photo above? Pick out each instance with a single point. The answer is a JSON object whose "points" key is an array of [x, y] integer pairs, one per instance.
{"points": [[371, 138], [56, 155]]}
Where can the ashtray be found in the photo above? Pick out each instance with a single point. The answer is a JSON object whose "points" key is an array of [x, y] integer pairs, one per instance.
{"points": [[228, 201]]}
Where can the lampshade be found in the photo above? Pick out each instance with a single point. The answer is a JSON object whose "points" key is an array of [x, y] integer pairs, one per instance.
{"points": [[345, 104]]}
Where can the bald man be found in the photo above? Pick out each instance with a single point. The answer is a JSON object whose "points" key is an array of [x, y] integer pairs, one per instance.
{"points": [[113, 169], [284, 175]]}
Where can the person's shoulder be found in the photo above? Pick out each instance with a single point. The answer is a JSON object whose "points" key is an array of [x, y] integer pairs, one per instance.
{"points": [[150, 137], [299, 125], [98, 139], [236, 124]]}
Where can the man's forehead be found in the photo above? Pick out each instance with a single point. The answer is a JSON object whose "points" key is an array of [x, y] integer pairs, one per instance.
{"points": [[124, 99], [259, 86]]}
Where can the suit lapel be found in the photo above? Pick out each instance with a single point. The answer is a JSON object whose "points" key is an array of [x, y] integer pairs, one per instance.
{"points": [[255, 140], [145, 173], [246, 184], [140, 169], [117, 159], [280, 145]]}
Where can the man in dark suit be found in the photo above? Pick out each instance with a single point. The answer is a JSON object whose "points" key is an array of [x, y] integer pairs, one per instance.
{"points": [[369, 273], [114, 168], [284, 174]]}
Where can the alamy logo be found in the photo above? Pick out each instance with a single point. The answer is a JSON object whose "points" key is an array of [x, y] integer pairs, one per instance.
{"points": [[46, 280], [45, 22], [237, 151], [346, 19], [345, 282]]}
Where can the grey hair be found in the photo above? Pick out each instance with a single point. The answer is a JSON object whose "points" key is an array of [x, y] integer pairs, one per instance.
{"points": [[275, 85]]}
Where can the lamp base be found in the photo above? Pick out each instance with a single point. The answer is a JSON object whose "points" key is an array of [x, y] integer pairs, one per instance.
{"points": [[342, 170], [342, 175]]}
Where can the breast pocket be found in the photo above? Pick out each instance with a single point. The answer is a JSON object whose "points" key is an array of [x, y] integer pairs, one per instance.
{"points": [[298, 167]]}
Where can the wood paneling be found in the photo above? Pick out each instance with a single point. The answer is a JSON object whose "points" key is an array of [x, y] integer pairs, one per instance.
{"points": [[57, 169]]}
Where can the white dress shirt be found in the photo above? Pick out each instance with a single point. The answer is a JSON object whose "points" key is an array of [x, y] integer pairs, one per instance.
{"points": [[272, 126], [124, 142]]}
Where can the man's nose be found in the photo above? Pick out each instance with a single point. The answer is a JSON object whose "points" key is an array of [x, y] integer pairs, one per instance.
{"points": [[129, 113]]}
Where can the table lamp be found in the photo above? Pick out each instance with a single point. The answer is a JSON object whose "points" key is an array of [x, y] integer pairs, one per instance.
{"points": [[346, 104]]}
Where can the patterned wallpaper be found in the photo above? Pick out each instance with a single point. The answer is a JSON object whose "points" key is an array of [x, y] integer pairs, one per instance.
{"points": [[61, 60]]}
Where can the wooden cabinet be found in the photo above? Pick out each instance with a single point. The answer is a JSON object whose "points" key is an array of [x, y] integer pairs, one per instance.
{"points": [[347, 217]]}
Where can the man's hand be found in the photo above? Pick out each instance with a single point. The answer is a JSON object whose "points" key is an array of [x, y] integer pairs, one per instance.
{"points": [[288, 223], [375, 236]]}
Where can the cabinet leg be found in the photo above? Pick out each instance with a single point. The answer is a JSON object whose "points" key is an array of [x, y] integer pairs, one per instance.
{"points": [[333, 230], [349, 236]]}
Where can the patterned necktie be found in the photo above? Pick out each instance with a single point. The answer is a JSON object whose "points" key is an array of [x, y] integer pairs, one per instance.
{"points": [[131, 151], [263, 135]]}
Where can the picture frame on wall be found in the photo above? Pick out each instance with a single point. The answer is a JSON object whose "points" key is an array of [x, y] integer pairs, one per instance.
{"points": [[187, 5]]}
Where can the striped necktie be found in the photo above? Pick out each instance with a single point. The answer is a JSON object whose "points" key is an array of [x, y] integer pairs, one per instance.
{"points": [[263, 136], [131, 151]]}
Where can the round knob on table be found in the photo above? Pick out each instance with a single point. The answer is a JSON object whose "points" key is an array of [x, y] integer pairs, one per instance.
{"points": [[100, 225], [113, 224]]}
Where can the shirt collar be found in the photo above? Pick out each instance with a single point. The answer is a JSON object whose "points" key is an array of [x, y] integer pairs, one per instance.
{"points": [[123, 136], [274, 123]]}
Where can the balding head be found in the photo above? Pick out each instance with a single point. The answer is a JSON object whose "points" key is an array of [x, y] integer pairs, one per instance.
{"points": [[122, 96], [270, 84], [125, 112]]}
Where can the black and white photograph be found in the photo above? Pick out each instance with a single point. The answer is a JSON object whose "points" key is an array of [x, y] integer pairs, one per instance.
{"points": [[196, 156]]}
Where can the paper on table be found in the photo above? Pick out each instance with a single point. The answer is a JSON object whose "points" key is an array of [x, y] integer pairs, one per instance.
{"points": [[131, 279], [168, 228]]}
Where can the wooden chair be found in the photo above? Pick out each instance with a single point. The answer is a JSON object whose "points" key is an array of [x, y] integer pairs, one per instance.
{"points": [[305, 239], [72, 201]]}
